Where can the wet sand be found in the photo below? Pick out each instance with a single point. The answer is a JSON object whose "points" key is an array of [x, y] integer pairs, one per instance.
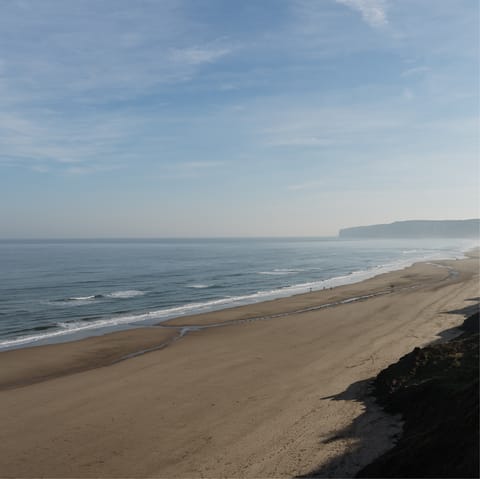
{"points": [[257, 391]]}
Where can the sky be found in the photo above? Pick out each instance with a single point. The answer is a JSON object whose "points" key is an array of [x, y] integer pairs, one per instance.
{"points": [[143, 118]]}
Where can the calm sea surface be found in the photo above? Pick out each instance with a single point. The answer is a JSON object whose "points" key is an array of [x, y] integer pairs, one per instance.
{"points": [[61, 290]]}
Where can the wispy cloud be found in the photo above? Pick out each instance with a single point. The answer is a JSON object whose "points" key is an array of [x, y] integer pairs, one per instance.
{"points": [[372, 11], [198, 165], [313, 141], [198, 55], [313, 96], [415, 71], [69, 74], [303, 125], [89, 169], [45, 142]]}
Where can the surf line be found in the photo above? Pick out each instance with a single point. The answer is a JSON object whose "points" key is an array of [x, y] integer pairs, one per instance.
{"points": [[184, 330]]}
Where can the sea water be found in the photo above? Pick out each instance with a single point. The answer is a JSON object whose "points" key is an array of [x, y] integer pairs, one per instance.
{"points": [[54, 291]]}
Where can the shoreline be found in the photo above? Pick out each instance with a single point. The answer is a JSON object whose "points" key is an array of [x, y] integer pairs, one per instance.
{"points": [[248, 396], [90, 330], [117, 346]]}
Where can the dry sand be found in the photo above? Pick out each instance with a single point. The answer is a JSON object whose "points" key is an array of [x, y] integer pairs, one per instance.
{"points": [[254, 398]]}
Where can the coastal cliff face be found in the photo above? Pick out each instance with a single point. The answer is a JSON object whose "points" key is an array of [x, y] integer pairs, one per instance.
{"points": [[416, 229], [436, 389]]}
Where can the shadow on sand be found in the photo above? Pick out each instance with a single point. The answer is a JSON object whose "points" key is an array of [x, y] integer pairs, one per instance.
{"points": [[466, 312], [370, 432], [373, 432]]}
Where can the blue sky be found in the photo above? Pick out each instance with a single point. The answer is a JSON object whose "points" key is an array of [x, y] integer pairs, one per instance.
{"points": [[125, 118]]}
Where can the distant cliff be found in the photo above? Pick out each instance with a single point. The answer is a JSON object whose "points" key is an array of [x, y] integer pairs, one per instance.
{"points": [[416, 229]]}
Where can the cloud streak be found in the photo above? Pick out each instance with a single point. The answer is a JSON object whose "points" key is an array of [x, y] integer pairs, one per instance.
{"points": [[307, 141], [198, 55], [199, 165], [73, 82], [372, 11], [46, 142], [415, 71]]}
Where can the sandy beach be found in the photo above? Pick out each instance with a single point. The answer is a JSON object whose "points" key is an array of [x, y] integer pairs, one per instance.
{"points": [[273, 389]]}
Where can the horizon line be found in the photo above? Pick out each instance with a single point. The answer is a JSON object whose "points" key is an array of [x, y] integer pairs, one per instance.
{"points": [[128, 238]]}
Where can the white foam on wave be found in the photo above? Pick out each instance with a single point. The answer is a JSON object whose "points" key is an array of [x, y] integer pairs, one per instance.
{"points": [[131, 293], [81, 300], [73, 301], [199, 286], [160, 315], [280, 272]]}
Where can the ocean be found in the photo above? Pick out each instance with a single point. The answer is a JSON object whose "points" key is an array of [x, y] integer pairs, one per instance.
{"points": [[53, 291]]}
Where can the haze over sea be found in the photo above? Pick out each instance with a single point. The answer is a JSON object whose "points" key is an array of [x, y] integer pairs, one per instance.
{"points": [[63, 290]]}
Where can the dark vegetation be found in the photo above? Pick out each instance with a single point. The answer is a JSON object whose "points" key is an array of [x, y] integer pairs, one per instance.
{"points": [[436, 390]]}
